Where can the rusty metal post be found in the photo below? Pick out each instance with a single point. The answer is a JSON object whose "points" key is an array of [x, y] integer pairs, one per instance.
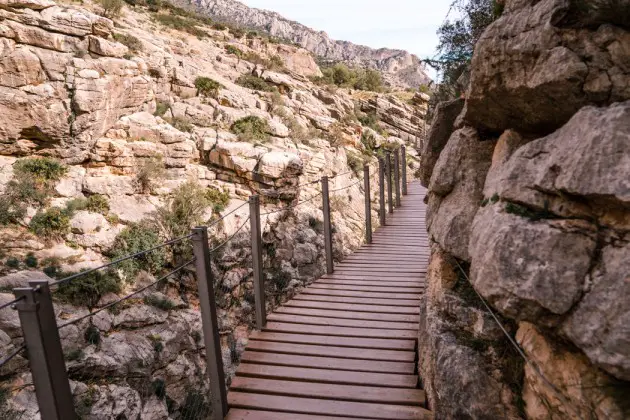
{"points": [[397, 176], [403, 151], [45, 355], [257, 262], [210, 325], [388, 172], [381, 192], [368, 204], [330, 267]]}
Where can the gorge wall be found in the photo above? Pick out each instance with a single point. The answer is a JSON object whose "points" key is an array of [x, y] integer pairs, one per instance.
{"points": [[112, 121], [529, 209], [399, 67]]}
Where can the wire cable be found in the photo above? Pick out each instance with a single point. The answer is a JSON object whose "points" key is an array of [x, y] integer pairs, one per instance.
{"points": [[12, 355], [130, 295], [347, 186], [292, 206], [232, 236], [128, 257], [4, 305], [519, 349]]}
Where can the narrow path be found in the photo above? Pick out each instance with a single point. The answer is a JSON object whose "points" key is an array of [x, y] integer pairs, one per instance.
{"points": [[346, 346]]}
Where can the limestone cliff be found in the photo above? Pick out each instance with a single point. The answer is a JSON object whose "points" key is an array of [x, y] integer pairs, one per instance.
{"points": [[529, 210], [102, 125], [399, 67]]}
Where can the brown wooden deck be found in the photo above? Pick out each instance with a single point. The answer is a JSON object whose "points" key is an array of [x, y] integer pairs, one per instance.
{"points": [[345, 347]]}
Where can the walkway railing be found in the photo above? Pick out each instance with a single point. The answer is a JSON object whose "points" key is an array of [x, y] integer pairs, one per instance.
{"points": [[41, 333]]}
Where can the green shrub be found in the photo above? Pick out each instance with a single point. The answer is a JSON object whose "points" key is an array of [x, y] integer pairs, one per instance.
{"points": [[354, 162], [164, 304], [151, 172], [12, 262], [45, 169], [161, 108], [254, 82], [251, 128], [76, 354], [237, 32], [32, 185], [31, 260], [231, 49], [343, 76], [133, 239], [219, 199], [184, 210], [111, 8], [52, 223], [219, 26], [181, 124], [179, 23], [158, 345], [95, 203], [316, 224], [158, 388], [92, 335], [207, 87], [133, 43], [87, 289]]}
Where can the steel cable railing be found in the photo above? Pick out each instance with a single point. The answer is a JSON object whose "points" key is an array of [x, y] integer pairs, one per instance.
{"points": [[39, 319]]}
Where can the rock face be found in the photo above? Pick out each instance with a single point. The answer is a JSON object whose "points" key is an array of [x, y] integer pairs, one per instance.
{"points": [[120, 109], [400, 67], [529, 201]]}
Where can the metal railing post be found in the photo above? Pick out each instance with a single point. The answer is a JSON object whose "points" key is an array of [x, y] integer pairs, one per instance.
{"points": [[327, 226], [257, 262], [210, 324], [397, 176], [45, 355], [403, 151], [381, 192], [388, 170], [368, 204]]}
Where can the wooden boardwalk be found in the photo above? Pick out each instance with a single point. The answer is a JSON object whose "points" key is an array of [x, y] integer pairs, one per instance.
{"points": [[345, 347]]}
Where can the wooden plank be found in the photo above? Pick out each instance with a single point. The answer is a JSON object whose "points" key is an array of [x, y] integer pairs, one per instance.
{"points": [[330, 391], [390, 269], [330, 363], [352, 307], [371, 282], [329, 408], [370, 343], [247, 414], [341, 352], [359, 288], [359, 300], [329, 313], [342, 377], [340, 331], [338, 322], [352, 293], [372, 277]]}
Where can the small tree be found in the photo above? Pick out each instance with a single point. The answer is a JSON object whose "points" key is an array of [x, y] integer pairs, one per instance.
{"points": [[111, 8], [207, 87]]}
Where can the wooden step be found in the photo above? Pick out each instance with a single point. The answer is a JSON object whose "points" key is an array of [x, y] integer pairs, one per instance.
{"points": [[340, 352], [370, 343], [283, 327], [359, 300], [330, 363], [352, 307], [337, 322], [414, 397], [328, 408], [330, 313], [343, 377]]}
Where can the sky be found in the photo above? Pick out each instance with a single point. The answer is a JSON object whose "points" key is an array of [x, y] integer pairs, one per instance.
{"points": [[404, 24]]}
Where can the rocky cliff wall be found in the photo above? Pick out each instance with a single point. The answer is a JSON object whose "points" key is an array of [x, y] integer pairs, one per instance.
{"points": [[399, 67], [106, 101], [529, 210]]}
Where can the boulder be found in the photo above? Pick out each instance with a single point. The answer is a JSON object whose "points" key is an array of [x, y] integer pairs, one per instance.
{"points": [[600, 324], [456, 190], [106, 48], [586, 389], [529, 270], [440, 132], [587, 161], [85, 222], [544, 72]]}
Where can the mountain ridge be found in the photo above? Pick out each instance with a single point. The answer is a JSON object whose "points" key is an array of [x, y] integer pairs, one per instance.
{"points": [[399, 67]]}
